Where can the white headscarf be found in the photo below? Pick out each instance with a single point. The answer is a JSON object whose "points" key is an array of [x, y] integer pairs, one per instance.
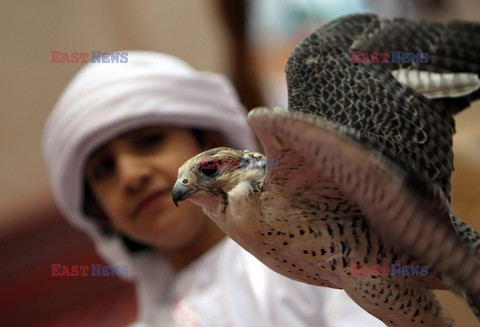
{"points": [[106, 99]]}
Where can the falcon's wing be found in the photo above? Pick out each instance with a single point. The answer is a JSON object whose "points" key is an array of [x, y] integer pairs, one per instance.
{"points": [[372, 106], [450, 47]]}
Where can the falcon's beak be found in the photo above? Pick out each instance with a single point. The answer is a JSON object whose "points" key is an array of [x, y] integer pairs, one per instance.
{"points": [[181, 192]]}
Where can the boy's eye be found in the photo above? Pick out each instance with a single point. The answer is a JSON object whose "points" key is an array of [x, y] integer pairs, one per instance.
{"points": [[150, 139], [103, 168]]}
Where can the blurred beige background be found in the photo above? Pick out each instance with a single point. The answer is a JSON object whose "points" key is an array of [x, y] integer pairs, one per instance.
{"points": [[192, 30], [30, 83]]}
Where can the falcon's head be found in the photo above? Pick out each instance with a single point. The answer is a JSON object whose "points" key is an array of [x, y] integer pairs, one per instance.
{"points": [[207, 178]]}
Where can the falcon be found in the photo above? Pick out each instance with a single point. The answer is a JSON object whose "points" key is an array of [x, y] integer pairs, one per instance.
{"points": [[353, 191]]}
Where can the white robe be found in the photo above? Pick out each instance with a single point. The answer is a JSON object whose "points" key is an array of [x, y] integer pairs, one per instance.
{"points": [[227, 286]]}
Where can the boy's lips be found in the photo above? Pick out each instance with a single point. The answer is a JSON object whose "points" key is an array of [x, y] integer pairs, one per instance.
{"points": [[146, 201]]}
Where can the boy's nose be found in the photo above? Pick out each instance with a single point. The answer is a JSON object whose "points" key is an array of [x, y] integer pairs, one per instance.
{"points": [[134, 172]]}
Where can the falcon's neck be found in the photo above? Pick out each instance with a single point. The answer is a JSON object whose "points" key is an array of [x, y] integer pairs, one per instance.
{"points": [[237, 207], [243, 214]]}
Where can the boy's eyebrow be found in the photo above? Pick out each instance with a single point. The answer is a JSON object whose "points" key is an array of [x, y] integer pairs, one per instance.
{"points": [[104, 147], [132, 133], [98, 151]]}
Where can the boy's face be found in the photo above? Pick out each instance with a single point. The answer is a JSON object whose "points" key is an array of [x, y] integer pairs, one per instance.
{"points": [[132, 177]]}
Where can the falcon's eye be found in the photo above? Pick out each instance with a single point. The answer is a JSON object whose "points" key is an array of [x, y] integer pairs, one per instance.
{"points": [[209, 169]]}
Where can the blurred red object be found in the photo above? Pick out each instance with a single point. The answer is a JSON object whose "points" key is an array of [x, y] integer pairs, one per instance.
{"points": [[30, 296]]}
